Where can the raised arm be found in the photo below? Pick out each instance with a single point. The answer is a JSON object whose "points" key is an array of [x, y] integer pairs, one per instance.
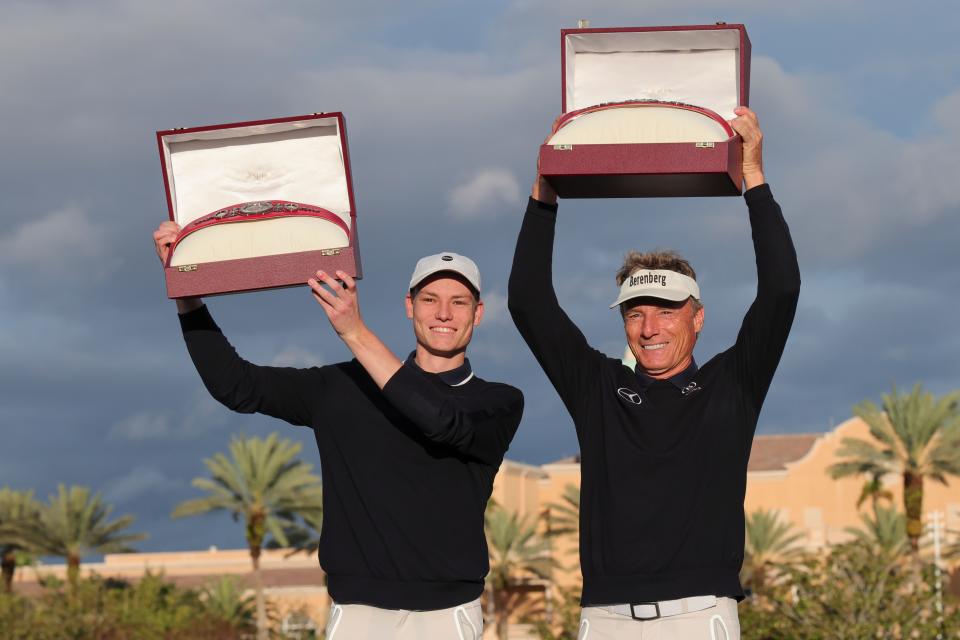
{"points": [[556, 342], [763, 334], [481, 428], [282, 392], [242, 386]]}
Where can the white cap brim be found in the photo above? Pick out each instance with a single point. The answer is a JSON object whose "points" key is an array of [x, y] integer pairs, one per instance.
{"points": [[659, 283]]}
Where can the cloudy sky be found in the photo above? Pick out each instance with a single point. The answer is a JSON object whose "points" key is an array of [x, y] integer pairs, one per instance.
{"points": [[446, 103]]}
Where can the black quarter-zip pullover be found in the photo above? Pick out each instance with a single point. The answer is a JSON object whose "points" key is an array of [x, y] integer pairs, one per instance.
{"points": [[663, 462], [407, 470]]}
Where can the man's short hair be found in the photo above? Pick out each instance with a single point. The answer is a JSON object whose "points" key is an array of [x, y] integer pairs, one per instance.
{"points": [[653, 260], [666, 259], [415, 290]]}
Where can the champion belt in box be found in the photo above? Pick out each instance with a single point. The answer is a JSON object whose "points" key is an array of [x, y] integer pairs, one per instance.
{"points": [[260, 204], [645, 112]]}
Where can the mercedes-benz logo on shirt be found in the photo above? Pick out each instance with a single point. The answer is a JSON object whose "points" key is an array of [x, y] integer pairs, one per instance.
{"points": [[629, 395], [693, 387]]}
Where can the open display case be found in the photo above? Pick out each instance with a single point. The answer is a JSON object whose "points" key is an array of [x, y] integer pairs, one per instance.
{"points": [[261, 204], [645, 112]]}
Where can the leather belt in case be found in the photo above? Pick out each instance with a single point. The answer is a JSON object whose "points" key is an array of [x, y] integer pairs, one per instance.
{"points": [[571, 115], [258, 210]]}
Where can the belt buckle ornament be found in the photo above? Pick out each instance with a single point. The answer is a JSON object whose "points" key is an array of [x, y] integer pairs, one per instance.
{"points": [[256, 207], [655, 605]]}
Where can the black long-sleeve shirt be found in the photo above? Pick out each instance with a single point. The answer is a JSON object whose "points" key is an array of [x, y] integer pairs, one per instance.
{"points": [[407, 470], [663, 480]]}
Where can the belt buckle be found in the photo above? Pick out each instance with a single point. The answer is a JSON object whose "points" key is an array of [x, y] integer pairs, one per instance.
{"points": [[656, 607]]}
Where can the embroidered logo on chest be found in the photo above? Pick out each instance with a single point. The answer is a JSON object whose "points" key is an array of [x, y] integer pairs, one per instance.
{"points": [[691, 388], [629, 395]]}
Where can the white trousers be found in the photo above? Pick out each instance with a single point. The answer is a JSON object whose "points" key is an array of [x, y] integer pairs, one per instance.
{"points": [[362, 622], [719, 622]]}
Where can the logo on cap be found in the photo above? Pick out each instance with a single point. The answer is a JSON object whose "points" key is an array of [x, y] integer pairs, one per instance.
{"points": [[447, 258], [629, 395]]}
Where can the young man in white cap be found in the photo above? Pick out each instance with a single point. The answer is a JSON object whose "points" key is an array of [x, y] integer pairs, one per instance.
{"points": [[664, 447], [408, 450]]}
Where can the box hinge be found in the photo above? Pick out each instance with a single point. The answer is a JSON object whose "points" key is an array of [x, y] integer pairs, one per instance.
{"points": [[706, 145], [329, 252], [583, 24], [563, 147], [186, 268]]}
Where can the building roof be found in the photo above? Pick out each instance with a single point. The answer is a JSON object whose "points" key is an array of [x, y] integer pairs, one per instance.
{"points": [[774, 452]]}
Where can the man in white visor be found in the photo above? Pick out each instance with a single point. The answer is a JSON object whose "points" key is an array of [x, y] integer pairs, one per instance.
{"points": [[663, 446]]}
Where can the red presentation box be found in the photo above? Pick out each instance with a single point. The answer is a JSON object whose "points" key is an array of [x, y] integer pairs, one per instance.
{"points": [[243, 167], [698, 68]]}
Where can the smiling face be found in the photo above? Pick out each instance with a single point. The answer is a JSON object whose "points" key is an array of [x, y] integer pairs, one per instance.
{"points": [[661, 334], [444, 312]]}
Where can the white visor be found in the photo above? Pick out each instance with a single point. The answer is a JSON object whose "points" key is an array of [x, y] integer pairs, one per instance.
{"points": [[660, 283]]}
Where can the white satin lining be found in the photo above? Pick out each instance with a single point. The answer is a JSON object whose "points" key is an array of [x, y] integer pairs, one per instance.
{"points": [[256, 238], [695, 67], [299, 161], [625, 125]]}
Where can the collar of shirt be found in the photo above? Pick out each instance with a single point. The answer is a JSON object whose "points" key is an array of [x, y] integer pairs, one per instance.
{"points": [[454, 377], [679, 380]]}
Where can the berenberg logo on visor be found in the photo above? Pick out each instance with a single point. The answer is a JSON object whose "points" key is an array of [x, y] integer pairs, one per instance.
{"points": [[648, 278]]}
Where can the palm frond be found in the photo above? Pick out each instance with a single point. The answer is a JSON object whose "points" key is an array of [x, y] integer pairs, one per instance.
{"points": [[885, 531]]}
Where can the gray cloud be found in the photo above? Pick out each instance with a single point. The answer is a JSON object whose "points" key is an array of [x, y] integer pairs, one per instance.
{"points": [[488, 192], [55, 244], [140, 482], [296, 357]]}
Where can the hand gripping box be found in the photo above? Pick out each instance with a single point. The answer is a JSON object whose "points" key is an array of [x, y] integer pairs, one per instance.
{"points": [[645, 112], [261, 204]]}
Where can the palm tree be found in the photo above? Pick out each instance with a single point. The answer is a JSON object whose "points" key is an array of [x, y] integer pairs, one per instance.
{"points": [[917, 436], [223, 598], [565, 515], [73, 524], [768, 540], [886, 531], [516, 551], [874, 492], [18, 512], [563, 519], [303, 536], [263, 484]]}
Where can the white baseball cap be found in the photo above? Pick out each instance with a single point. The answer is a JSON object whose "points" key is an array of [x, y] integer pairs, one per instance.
{"points": [[446, 261], [657, 283]]}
